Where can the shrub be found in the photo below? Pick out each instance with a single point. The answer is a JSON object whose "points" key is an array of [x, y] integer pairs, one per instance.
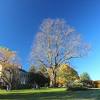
{"points": [[88, 83], [2, 87], [76, 85]]}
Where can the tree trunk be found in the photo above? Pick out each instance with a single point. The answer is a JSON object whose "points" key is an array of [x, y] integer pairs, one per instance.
{"points": [[10, 86], [54, 79]]}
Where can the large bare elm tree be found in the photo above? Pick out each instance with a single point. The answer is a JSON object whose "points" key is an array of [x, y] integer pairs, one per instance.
{"points": [[55, 44]]}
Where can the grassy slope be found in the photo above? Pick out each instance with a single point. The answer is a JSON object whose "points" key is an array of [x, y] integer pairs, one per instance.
{"points": [[50, 94]]}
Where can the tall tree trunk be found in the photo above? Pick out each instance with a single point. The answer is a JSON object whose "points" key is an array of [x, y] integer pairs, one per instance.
{"points": [[10, 86], [54, 78]]}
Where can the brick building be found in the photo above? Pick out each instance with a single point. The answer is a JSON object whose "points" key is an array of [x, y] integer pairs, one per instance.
{"points": [[97, 84]]}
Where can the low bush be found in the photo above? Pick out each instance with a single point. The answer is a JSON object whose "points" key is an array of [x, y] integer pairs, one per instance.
{"points": [[2, 87], [76, 85]]}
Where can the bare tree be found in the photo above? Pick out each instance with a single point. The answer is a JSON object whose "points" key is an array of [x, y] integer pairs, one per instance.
{"points": [[56, 43]]}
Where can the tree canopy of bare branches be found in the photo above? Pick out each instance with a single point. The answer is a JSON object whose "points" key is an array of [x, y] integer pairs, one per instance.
{"points": [[56, 43]]}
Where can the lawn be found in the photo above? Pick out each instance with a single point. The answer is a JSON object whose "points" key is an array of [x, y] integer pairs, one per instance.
{"points": [[50, 94]]}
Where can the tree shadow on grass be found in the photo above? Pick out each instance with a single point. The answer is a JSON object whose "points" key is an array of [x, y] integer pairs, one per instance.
{"points": [[63, 95]]}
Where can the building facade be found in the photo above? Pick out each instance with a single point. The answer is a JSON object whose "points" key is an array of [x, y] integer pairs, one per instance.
{"points": [[97, 84], [22, 77]]}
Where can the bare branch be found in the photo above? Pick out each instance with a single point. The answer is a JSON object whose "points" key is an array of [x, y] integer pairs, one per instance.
{"points": [[56, 43]]}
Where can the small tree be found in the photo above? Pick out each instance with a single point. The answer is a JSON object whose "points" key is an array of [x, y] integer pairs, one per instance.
{"points": [[10, 65], [56, 43], [32, 69], [86, 80], [85, 77]]}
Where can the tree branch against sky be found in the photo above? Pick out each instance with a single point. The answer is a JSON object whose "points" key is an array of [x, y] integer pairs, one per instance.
{"points": [[56, 43]]}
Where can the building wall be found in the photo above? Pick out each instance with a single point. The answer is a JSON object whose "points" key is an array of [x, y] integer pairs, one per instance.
{"points": [[97, 84], [23, 76]]}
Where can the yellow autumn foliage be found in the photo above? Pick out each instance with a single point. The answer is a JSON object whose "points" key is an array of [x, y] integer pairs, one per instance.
{"points": [[65, 73]]}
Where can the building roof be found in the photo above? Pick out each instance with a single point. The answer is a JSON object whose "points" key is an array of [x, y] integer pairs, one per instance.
{"points": [[22, 70]]}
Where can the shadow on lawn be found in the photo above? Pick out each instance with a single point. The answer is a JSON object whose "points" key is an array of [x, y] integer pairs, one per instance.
{"points": [[65, 95]]}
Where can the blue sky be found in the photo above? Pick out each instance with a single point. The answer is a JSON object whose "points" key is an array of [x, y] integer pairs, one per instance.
{"points": [[20, 20]]}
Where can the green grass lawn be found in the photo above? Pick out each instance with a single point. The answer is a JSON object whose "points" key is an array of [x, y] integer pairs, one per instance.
{"points": [[50, 94]]}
